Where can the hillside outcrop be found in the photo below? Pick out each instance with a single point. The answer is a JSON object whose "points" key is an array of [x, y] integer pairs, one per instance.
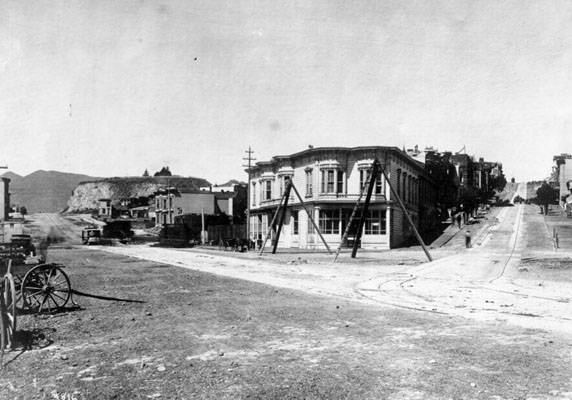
{"points": [[87, 194]]}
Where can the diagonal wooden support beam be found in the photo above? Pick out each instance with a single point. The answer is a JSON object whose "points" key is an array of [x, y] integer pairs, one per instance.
{"points": [[283, 215], [407, 216], [270, 226], [311, 218], [350, 221], [374, 172]]}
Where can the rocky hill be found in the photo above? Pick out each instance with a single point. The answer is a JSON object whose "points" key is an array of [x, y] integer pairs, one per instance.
{"points": [[43, 191], [87, 194]]}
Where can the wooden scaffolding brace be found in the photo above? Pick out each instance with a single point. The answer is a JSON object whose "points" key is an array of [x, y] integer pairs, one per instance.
{"points": [[282, 207], [376, 170]]}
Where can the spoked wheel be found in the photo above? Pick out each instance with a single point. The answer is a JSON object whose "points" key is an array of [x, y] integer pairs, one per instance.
{"points": [[45, 287], [3, 333], [19, 300], [10, 303]]}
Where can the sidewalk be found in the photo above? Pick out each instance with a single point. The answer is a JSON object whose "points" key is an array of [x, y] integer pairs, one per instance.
{"points": [[453, 238], [558, 223]]}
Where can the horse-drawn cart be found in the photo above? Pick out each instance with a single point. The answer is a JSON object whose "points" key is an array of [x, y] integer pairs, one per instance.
{"points": [[29, 284]]}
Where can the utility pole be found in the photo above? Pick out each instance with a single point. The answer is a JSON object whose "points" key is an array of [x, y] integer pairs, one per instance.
{"points": [[250, 159]]}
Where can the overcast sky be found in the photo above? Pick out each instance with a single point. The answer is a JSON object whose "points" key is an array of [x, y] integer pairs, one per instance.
{"points": [[110, 88]]}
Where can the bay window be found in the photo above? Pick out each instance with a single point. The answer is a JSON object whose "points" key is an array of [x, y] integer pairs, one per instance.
{"points": [[332, 181]]}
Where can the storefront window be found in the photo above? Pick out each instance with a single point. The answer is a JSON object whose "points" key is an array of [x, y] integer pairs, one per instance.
{"points": [[375, 223], [329, 221]]}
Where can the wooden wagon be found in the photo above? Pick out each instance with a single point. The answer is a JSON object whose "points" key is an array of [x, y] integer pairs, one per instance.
{"points": [[29, 284]]}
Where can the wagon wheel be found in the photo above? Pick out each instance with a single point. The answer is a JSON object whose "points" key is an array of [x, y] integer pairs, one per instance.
{"points": [[3, 333], [10, 303], [45, 287], [18, 284]]}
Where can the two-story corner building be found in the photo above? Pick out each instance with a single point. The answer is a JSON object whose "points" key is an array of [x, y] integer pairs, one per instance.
{"points": [[330, 180]]}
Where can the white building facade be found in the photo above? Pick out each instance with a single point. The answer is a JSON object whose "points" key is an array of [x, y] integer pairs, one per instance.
{"points": [[563, 172], [329, 181]]}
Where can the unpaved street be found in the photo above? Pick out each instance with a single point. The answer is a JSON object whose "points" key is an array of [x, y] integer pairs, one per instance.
{"points": [[388, 326], [485, 282]]}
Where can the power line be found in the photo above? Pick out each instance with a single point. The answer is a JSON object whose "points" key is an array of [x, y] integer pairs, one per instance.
{"points": [[250, 159]]}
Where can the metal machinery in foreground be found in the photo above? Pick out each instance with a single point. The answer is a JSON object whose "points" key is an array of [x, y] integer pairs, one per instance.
{"points": [[27, 284]]}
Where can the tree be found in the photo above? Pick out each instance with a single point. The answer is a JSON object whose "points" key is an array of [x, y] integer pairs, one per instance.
{"points": [[545, 196], [443, 172], [146, 173], [498, 183], [163, 172], [23, 210], [470, 199]]}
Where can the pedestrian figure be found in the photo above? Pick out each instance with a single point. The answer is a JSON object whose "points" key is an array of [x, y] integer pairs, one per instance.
{"points": [[468, 239], [459, 220]]}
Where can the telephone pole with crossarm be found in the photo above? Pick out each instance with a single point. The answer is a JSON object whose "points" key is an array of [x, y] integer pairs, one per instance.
{"points": [[250, 159]]}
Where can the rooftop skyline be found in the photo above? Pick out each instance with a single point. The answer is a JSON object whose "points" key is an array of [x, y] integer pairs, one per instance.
{"points": [[108, 88]]}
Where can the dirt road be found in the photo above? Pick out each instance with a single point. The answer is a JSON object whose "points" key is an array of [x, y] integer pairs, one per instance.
{"points": [[187, 334], [489, 282], [55, 227], [485, 282]]}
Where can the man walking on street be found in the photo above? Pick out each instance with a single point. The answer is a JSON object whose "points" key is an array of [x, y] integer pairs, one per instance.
{"points": [[459, 220]]}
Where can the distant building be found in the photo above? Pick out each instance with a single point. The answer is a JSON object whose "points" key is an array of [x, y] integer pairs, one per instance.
{"points": [[330, 180], [105, 209], [136, 208], [172, 202], [562, 171], [227, 187], [476, 174]]}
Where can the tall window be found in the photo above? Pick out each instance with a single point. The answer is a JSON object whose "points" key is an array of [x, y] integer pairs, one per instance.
{"points": [[332, 181], [329, 221], [268, 190], [294, 222], [340, 182], [253, 202], [398, 189], [309, 177], [375, 223], [404, 187]]}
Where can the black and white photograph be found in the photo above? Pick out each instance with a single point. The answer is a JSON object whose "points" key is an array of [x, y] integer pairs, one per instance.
{"points": [[269, 199]]}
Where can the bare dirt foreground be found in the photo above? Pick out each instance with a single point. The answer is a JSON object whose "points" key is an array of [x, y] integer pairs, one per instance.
{"points": [[201, 335]]}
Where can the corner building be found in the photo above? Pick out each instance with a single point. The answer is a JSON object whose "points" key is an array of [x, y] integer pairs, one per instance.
{"points": [[329, 180]]}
